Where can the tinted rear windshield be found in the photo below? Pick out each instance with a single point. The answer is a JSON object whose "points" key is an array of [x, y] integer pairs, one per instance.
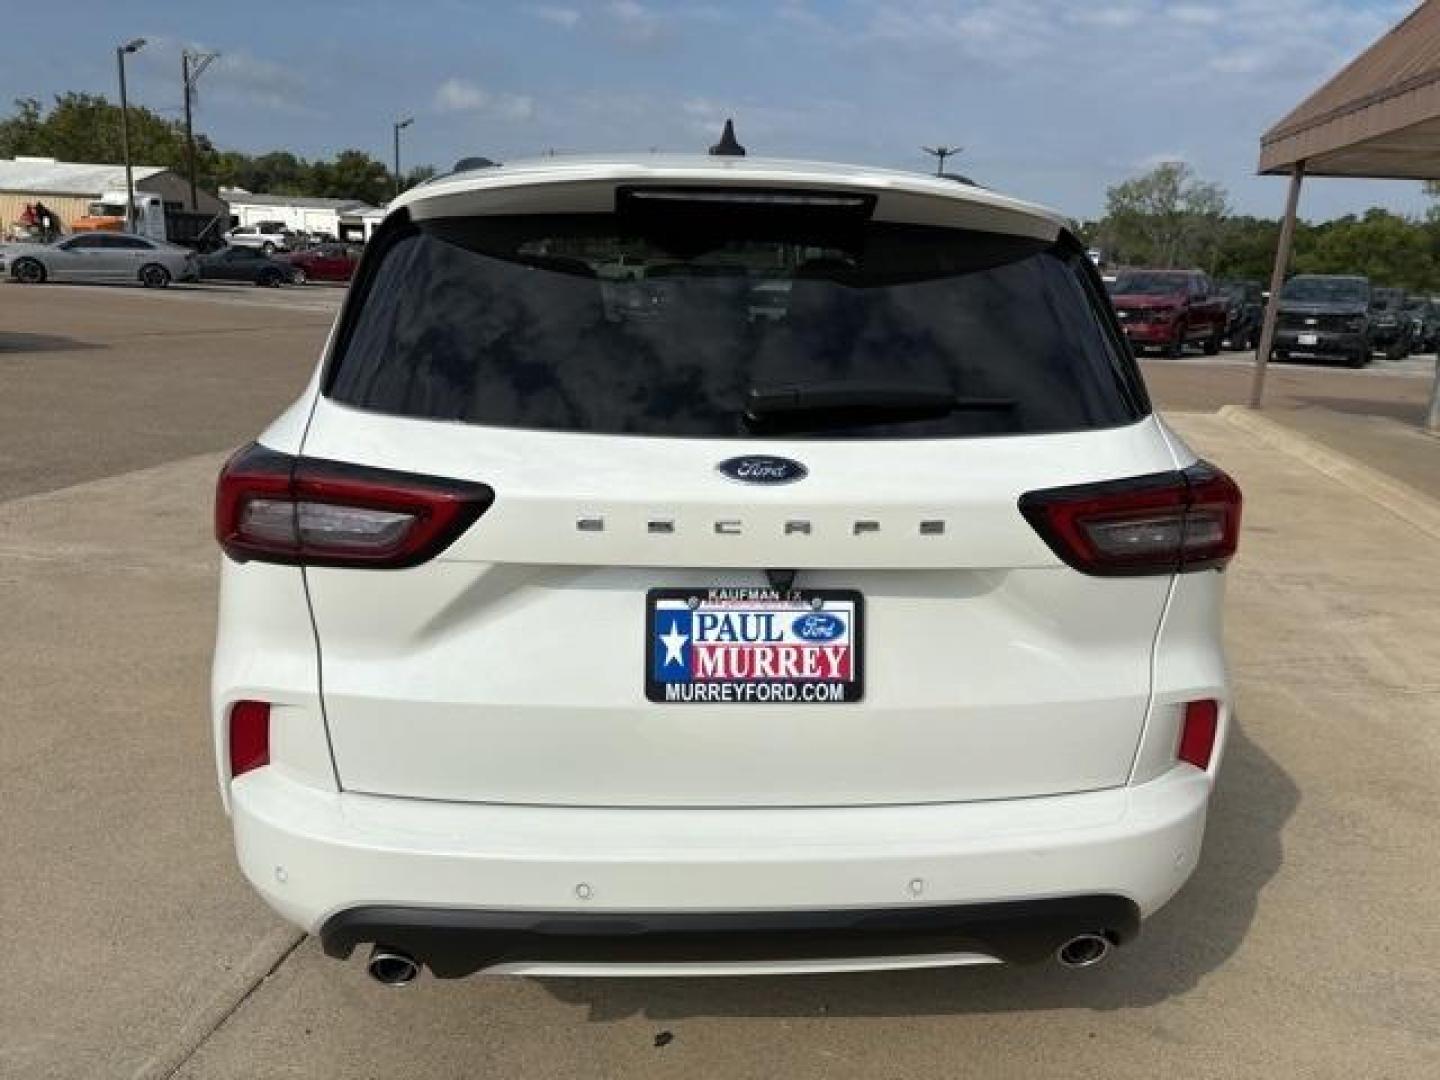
{"points": [[1150, 284], [615, 323], [1326, 290]]}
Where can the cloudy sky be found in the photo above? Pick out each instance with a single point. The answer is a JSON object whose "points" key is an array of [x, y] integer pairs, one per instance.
{"points": [[1051, 99]]}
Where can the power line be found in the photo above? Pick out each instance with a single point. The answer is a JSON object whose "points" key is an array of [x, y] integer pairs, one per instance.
{"points": [[192, 66]]}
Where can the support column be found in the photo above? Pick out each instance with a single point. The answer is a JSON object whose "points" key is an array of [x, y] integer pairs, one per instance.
{"points": [[1277, 282], [1432, 416]]}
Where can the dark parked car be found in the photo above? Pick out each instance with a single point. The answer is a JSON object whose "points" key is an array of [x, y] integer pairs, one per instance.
{"points": [[1392, 329], [1244, 312], [1424, 316], [1324, 315], [244, 264], [1168, 309], [328, 262]]}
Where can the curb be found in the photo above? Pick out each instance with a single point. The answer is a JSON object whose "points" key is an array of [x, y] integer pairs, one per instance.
{"points": [[269, 953], [1398, 497]]}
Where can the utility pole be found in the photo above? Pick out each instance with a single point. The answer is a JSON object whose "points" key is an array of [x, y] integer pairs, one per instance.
{"points": [[192, 66], [399, 126], [121, 51], [940, 153]]}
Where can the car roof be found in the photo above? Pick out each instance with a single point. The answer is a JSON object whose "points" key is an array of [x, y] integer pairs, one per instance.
{"points": [[902, 195]]}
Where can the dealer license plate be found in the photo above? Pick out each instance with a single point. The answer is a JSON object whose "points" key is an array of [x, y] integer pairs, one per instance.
{"points": [[754, 646], [1308, 339]]}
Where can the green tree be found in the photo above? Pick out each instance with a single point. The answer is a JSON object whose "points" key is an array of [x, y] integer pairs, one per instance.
{"points": [[279, 172], [1388, 248], [86, 127], [1167, 217], [1247, 247], [353, 174]]}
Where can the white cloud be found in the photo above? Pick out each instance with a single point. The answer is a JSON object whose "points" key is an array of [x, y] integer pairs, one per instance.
{"points": [[1163, 157], [633, 21], [236, 76], [1240, 62], [462, 95], [1112, 16], [251, 80], [999, 31], [1198, 14], [564, 17], [515, 107]]}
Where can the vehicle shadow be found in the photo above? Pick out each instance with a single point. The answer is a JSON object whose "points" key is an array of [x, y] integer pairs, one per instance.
{"points": [[28, 343], [1410, 412], [1193, 935]]}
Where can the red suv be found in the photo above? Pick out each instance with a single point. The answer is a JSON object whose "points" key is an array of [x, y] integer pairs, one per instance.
{"points": [[328, 262], [1166, 309]]}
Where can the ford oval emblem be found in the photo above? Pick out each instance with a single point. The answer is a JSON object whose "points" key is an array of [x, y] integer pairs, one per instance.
{"points": [[817, 626], [762, 469]]}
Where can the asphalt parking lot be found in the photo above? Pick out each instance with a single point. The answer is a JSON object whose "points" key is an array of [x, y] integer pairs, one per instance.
{"points": [[1304, 946]]}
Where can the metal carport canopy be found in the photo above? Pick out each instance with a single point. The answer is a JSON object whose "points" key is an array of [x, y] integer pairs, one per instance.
{"points": [[1378, 118]]}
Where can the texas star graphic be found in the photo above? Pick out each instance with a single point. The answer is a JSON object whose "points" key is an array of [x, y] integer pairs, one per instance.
{"points": [[674, 642]]}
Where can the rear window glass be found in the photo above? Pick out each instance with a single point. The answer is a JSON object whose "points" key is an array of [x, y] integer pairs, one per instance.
{"points": [[676, 326], [1326, 290]]}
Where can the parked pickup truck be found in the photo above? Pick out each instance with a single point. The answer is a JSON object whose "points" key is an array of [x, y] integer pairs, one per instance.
{"points": [[1245, 311], [1325, 315], [1167, 309], [1392, 329]]}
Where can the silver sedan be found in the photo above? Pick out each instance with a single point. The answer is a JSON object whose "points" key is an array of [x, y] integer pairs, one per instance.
{"points": [[100, 256]]}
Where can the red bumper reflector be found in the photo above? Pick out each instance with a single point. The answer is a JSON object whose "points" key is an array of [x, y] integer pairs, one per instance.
{"points": [[1197, 735], [249, 736]]}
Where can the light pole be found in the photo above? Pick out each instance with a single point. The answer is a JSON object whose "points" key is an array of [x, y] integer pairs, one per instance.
{"points": [[940, 153], [399, 124], [120, 52], [192, 66]]}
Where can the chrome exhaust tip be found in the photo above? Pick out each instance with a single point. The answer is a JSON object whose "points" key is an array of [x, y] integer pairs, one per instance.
{"points": [[391, 968], [1084, 950]]}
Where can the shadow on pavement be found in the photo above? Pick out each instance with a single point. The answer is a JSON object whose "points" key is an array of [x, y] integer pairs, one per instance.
{"points": [[12, 342], [1190, 937], [1412, 413]]}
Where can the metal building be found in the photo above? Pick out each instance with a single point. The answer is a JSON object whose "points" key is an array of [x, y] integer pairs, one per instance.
{"points": [[303, 213], [69, 187]]}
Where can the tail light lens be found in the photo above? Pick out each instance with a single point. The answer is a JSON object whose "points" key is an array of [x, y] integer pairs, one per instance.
{"points": [[249, 736], [274, 507], [1197, 733], [1158, 524]]}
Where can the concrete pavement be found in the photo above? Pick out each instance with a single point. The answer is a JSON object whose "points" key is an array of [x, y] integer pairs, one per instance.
{"points": [[99, 380], [1304, 946], [1374, 415]]}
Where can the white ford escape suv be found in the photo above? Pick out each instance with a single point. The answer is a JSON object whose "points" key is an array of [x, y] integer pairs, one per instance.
{"points": [[820, 594]]}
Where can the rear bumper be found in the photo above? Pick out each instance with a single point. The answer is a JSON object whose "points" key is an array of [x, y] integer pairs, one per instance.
{"points": [[316, 854], [1327, 342], [1150, 333], [455, 942]]}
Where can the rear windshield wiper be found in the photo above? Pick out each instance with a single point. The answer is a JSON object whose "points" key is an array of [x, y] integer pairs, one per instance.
{"points": [[813, 406]]}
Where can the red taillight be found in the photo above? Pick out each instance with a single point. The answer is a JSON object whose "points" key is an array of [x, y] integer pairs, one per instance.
{"points": [[273, 507], [1157, 524], [249, 736], [1197, 733]]}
